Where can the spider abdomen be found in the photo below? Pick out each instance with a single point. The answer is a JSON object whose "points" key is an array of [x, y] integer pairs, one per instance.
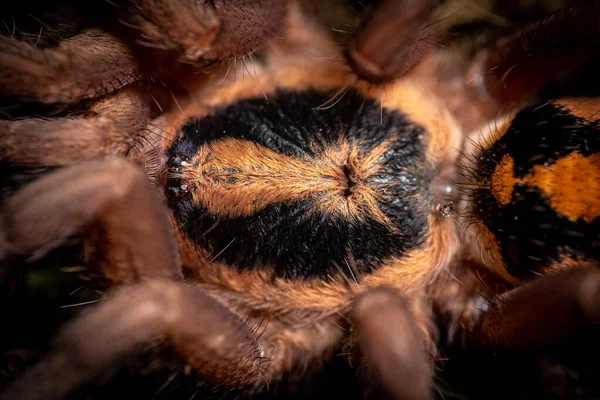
{"points": [[539, 191]]}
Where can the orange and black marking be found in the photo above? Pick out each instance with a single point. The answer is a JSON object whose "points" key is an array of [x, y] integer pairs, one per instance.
{"points": [[539, 189], [279, 184]]}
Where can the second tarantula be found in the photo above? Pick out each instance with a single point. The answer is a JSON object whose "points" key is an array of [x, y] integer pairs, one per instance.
{"points": [[231, 201]]}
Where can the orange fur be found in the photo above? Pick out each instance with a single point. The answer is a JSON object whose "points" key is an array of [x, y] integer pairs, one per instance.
{"points": [[443, 135], [586, 108], [238, 178], [567, 263], [571, 184], [503, 180]]}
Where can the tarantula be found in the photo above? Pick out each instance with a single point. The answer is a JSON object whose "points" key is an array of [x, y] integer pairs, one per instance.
{"points": [[211, 203]]}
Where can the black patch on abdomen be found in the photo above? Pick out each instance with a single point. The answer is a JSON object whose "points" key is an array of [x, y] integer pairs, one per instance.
{"points": [[530, 234], [296, 238]]}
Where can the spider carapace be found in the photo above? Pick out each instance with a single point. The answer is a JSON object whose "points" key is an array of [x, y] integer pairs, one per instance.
{"points": [[306, 193]]}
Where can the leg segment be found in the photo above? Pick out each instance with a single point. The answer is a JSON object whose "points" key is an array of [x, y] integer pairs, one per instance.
{"points": [[389, 340], [133, 239], [185, 26], [56, 142], [522, 64], [200, 31], [394, 38], [544, 311], [215, 341], [246, 26], [89, 65], [37, 142]]}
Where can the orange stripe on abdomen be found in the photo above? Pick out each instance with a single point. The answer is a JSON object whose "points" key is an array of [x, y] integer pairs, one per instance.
{"points": [[571, 185]]}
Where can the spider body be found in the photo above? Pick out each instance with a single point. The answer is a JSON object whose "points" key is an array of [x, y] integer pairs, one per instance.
{"points": [[238, 201]]}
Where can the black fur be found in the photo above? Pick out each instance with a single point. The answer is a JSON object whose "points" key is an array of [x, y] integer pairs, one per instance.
{"points": [[294, 237], [531, 235]]}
